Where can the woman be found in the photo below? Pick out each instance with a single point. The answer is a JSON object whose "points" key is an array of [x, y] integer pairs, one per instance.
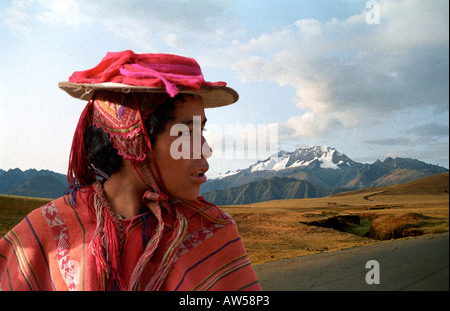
{"points": [[133, 218]]}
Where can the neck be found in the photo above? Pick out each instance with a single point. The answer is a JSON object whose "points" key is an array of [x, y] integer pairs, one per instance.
{"points": [[124, 191]]}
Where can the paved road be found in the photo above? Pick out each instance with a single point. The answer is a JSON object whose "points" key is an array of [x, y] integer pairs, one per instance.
{"points": [[419, 263]]}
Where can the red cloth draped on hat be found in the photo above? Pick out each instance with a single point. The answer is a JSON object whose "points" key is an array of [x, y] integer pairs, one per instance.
{"points": [[150, 70]]}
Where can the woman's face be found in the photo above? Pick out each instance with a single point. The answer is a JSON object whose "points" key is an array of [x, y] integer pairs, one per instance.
{"points": [[181, 150]]}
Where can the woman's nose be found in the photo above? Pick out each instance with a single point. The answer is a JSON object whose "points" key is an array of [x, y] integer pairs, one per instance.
{"points": [[206, 149]]}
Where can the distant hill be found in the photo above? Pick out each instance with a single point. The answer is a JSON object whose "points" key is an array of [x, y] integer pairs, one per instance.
{"points": [[33, 183], [274, 188], [434, 184], [431, 185]]}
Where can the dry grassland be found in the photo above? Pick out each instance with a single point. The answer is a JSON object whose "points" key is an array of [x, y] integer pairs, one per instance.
{"points": [[13, 209], [274, 230]]}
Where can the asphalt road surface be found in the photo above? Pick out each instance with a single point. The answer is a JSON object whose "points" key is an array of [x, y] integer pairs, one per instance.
{"points": [[410, 264]]}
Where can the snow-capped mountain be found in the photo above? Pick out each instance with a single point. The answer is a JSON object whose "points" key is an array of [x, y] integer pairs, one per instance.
{"points": [[325, 157], [327, 168]]}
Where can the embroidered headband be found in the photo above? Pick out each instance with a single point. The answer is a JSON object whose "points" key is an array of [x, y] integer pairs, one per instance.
{"points": [[116, 113]]}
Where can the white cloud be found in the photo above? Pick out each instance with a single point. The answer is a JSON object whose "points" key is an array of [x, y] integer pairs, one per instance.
{"points": [[410, 24], [17, 18], [309, 27], [25, 15], [145, 25], [349, 73], [156, 25], [62, 12], [311, 125]]}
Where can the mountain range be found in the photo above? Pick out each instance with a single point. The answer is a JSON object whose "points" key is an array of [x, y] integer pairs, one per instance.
{"points": [[310, 172], [304, 173], [33, 183]]}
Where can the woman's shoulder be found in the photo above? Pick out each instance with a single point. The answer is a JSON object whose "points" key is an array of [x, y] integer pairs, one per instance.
{"points": [[60, 213], [211, 212]]}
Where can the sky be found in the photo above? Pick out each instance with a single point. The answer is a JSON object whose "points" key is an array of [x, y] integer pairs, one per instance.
{"points": [[369, 78]]}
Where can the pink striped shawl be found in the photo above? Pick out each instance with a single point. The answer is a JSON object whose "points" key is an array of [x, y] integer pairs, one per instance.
{"points": [[50, 250]]}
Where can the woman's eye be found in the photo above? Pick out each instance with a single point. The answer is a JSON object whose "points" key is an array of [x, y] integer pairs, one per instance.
{"points": [[189, 132]]}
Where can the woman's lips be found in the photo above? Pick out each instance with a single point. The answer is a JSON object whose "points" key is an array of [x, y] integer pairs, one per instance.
{"points": [[199, 176], [199, 179]]}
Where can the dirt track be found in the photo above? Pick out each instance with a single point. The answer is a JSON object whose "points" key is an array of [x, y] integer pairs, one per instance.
{"points": [[419, 263]]}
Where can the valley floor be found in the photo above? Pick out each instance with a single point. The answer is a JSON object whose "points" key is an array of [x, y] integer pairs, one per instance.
{"points": [[279, 229]]}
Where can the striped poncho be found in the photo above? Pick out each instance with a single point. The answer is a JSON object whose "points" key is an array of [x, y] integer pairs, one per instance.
{"points": [[51, 249]]}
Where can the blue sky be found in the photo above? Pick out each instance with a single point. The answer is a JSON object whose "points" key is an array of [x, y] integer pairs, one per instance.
{"points": [[317, 70]]}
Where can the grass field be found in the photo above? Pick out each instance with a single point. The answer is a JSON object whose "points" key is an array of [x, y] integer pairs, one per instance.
{"points": [[13, 209]]}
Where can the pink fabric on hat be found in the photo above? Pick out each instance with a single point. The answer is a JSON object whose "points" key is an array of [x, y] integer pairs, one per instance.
{"points": [[150, 70]]}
